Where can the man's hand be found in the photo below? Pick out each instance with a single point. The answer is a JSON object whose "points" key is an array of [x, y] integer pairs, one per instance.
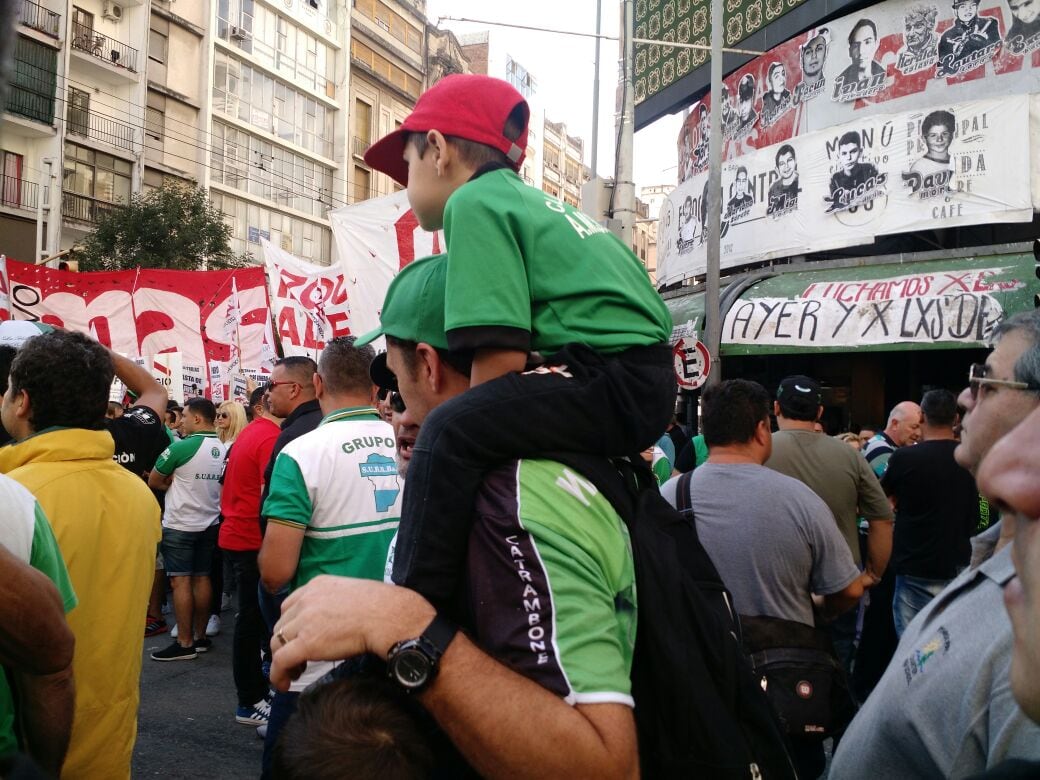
{"points": [[332, 618]]}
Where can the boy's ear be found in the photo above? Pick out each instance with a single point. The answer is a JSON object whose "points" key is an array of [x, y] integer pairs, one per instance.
{"points": [[438, 145]]}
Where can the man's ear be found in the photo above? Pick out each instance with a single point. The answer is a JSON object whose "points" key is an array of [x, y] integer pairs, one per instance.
{"points": [[428, 365], [23, 406], [776, 408], [819, 413], [763, 434], [319, 385]]}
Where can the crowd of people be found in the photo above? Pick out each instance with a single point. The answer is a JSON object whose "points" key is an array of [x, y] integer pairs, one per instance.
{"points": [[424, 586]]}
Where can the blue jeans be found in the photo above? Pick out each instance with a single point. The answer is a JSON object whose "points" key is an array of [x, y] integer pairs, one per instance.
{"points": [[912, 594]]}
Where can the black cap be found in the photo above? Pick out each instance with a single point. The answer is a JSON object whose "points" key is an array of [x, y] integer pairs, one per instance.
{"points": [[800, 395], [173, 406], [382, 376]]}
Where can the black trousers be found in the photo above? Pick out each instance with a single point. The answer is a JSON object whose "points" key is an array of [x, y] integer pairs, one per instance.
{"points": [[580, 401], [250, 630]]}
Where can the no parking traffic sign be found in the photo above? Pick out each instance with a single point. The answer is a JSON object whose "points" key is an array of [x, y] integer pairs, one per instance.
{"points": [[692, 364]]}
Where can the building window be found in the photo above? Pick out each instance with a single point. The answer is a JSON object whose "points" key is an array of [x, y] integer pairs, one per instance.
{"points": [[33, 84], [79, 111], [250, 222], [362, 184], [157, 46], [83, 19], [92, 181], [362, 127], [153, 123], [382, 67], [12, 190]]}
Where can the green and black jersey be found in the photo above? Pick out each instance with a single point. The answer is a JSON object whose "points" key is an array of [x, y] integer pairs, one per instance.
{"points": [[552, 583], [527, 271]]}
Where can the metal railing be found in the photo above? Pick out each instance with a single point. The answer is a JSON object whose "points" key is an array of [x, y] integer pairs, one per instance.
{"points": [[361, 146], [101, 128], [39, 18], [104, 48], [84, 208], [30, 104], [18, 193]]}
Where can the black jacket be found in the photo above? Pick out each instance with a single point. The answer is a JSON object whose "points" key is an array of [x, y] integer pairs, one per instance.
{"points": [[304, 419]]}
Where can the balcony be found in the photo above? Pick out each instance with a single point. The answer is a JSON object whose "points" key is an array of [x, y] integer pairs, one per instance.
{"points": [[25, 103], [39, 18], [83, 208], [18, 193], [109, 60], [361, 146], [90, 124]]}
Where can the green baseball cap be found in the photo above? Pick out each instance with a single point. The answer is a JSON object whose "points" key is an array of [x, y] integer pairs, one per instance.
{"points": [[413, 309]]}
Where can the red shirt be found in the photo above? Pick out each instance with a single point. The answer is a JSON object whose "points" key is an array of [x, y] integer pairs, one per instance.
{"points": [[243, 483]]}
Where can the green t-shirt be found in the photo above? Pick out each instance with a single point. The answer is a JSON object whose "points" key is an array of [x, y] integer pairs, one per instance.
{"points": [[527, 271], [550, 572], [25, 532]]}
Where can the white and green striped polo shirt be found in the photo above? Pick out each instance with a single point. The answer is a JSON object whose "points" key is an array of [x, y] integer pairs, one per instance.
{"points": [[340, 483], [193, 500]]}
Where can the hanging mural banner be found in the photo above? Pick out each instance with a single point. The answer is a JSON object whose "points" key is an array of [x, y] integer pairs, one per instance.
{"points": [[374, 240], [5, 291], [147, 312], [939, 303], [959, 164], [310, 303], [891, 57]]}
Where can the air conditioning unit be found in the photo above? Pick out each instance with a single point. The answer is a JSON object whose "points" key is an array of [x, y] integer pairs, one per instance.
{"points": [[239, 33], [112, 11]]}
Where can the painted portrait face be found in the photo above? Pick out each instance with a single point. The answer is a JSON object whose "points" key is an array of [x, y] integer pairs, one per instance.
{"points": [[863, 46], [848, 156], [740, 184], [1026, 11], [744, 109], [937, 138], [966, 10], [787, 167], [705, 124], [814, 55], [778, 79], [916, 31]]}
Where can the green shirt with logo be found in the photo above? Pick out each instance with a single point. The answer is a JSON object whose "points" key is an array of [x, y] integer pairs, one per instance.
{"points": [[527, 271]]}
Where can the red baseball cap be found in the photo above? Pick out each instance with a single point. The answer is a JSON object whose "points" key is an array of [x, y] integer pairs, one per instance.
{"points": [[464, 105]]}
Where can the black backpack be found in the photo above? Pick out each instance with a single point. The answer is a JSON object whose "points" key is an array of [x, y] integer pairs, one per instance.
{"points": [[700, 711]]}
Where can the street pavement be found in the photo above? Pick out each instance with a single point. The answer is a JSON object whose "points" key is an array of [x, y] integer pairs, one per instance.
{"points": [[186, 727]]}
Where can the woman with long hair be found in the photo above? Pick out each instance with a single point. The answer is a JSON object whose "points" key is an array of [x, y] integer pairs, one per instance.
{"points": [[231, 419]]}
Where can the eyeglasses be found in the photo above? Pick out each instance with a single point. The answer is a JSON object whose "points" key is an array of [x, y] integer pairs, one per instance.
{"points": [[397, 402], [977, 378], [272, 384], [222, 415]]}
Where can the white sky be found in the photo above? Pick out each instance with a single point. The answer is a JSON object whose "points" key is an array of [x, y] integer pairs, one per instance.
{"points": [[563, 66]]}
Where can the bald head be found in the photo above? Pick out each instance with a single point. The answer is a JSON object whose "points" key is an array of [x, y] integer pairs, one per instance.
{"points": [[904, 423]]}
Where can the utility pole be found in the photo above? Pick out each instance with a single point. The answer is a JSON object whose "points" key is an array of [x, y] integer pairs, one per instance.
{"points": [[595, 92], [624, 186], [713, 327]]}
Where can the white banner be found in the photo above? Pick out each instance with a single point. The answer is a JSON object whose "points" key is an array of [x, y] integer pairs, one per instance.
{"points": [[887, 173], [374, 240], [310, 303], [925, 308], [168, 371], [217, 380], [894, 56], [194, 381]]}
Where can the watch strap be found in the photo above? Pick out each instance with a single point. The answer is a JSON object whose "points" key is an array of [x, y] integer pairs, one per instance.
{"points": [[438, 636]]}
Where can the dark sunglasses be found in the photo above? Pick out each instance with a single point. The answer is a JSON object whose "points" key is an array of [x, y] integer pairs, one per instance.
{"points": [[222, 415], [397, 402]]}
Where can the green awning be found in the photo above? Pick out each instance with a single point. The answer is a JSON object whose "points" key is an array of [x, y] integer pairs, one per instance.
{"points": [[935, 304], [687, 316]]}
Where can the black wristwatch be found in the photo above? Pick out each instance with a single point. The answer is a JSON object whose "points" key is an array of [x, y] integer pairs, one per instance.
{"points": [[412, 663]]}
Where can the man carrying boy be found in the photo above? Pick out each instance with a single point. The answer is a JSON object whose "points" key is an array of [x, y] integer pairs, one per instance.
{"points": [[525, 273]]}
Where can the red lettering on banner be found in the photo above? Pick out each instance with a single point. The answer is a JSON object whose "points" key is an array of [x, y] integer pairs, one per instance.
{"points": [[405, 226]]}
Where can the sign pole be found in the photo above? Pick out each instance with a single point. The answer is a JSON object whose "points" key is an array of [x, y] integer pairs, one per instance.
{"points": [[713, 327]]}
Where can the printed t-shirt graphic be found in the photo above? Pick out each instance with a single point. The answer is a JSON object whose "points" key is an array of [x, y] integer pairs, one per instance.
{"points": [[193, 500]]}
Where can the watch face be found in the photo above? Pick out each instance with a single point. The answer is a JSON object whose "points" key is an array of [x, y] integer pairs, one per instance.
{"points": [[411, 668]]}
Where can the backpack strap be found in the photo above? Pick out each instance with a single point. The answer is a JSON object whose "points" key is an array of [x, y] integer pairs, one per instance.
{"points": [[683, 499]]}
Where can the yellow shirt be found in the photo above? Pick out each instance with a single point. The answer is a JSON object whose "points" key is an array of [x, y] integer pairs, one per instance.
{"points": [[106, 521]]}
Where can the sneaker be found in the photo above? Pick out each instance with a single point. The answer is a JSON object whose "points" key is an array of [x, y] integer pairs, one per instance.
{"points": [[225, 602], [155, 626], [213, 626], [175, 653], [255, 715], [261, 732], [203, 645], [173, 631]]}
